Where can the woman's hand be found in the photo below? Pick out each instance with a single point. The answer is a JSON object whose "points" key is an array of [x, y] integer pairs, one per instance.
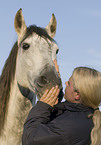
{"points": [[50, 97]]}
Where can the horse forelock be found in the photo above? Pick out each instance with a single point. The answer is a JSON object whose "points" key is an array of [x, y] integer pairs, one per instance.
{"points": [[39, 31], [6, 78]]}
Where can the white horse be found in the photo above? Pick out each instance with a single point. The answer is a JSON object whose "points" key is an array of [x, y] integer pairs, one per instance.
{"points": [[28, 70]]}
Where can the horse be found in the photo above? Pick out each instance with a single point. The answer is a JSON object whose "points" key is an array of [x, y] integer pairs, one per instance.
{"points": [[28, 70]]}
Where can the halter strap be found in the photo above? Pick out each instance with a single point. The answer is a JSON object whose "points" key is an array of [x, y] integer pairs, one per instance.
{"points": [[27, 93]]}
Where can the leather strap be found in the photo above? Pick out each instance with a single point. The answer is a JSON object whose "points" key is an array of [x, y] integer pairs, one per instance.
{"points": [[27, 93]]}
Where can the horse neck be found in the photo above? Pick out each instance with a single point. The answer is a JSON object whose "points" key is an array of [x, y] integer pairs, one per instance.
{"points": [[18, 108]]}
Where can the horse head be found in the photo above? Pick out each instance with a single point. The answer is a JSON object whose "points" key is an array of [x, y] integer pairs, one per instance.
{"points": [[35, 69]]}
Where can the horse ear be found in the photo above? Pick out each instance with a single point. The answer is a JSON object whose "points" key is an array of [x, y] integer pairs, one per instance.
{"points": [[19, 23], [51, 27]]}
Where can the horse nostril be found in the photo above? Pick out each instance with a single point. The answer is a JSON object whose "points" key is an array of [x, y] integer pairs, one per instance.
{"points": [[42, 81]]}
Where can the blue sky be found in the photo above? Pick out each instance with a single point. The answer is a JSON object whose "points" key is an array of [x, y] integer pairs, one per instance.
{"points": [[78, 30]]}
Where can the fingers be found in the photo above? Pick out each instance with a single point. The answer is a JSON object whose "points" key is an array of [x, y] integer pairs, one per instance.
{"points": [[52, 92], [45, 94], [56, 102], [50, 97], [53, 100]]}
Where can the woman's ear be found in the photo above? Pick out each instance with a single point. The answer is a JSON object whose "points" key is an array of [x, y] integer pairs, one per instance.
{"points": [[77, 96]]}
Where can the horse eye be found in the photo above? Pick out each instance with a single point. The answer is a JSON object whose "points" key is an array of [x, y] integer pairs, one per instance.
{"points": [[25, 46], [57, 51]]}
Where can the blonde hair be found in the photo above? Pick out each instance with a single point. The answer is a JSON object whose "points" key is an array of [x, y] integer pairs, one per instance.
{"points": [[88, 82]]}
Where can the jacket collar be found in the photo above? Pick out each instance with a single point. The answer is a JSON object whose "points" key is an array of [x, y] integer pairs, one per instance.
{"points": [[74, 107]]}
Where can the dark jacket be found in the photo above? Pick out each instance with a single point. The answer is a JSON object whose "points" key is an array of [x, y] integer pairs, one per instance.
{"points": [[67, 124]]}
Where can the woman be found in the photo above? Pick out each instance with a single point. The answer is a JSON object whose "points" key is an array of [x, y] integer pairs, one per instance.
{"points": [[77, 121]]}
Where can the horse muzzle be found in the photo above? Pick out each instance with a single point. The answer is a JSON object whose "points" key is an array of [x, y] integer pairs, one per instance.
{"points": [[47, 80]]}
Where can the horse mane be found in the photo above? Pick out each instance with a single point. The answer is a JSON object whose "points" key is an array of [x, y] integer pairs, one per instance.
{"points": [[6, 78], [39, 31]]}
